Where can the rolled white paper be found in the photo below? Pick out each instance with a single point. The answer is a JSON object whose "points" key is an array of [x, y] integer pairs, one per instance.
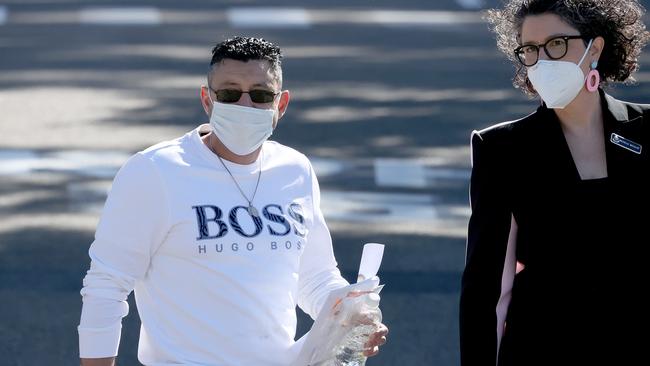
{"points": [[370, 260]]}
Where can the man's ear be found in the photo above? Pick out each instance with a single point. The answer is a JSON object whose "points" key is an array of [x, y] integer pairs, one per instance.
{"points": [[283, 104], [206, 102]]}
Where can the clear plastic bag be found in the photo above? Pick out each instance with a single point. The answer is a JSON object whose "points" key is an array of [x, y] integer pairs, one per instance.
{"points": [[357, 319], [349, 316]]}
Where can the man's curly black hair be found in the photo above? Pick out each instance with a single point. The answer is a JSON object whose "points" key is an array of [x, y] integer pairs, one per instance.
{"points": [[619, 22], [246, 49]]}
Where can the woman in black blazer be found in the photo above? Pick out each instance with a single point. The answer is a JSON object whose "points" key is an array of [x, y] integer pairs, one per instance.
{"points": [[557, 251]]}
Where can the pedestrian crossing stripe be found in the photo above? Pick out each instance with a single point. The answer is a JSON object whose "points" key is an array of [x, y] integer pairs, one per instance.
{"points": [[268, 17], [4, 14], [471, 4], [247, 17], [120, 16]]}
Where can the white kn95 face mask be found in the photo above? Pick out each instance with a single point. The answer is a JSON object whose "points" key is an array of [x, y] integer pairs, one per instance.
{"points": [[558, 82]]}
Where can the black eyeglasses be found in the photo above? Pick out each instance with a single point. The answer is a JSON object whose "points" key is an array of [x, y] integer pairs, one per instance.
{"points": [[555, 48], [233, 95]]}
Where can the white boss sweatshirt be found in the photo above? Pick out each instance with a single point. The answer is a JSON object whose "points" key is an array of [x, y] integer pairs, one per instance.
{"points": [[213, 284]]}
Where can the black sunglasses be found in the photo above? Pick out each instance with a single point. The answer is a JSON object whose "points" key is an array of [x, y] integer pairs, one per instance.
{"points": [[233, 95], [555, 48]]}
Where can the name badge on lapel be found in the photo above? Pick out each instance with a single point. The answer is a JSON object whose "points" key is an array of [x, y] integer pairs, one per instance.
{"points": [[625, 143]]}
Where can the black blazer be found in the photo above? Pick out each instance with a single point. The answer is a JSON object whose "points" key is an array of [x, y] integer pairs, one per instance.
{"points": [[585, 273]]}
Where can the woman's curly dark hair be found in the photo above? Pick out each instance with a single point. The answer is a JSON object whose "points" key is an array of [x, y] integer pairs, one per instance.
{"points": [[619, 22]]}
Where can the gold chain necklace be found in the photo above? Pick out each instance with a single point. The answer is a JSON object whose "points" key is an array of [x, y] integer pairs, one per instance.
{"points": [[251, 209]]}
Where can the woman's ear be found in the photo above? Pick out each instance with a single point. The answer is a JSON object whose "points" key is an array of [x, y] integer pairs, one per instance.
{"points": [[596, 48]]}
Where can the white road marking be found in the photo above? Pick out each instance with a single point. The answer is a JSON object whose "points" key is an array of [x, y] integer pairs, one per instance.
{"points": [[412, 173], [471, 4], [96, 164], [121, 16], [326, 167], [403, 210], [400, 173], [4, 14], [445, 173], [408, 209], [268, 17], [422, 18], [16, 162], [408, 18], [251, 17], [372, 206]]}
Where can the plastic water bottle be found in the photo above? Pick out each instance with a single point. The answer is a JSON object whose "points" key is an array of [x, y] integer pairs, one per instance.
{"points": [[363, 323]]}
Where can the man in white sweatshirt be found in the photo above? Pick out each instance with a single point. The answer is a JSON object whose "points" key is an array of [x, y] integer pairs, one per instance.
{"points": [[219, 232]]}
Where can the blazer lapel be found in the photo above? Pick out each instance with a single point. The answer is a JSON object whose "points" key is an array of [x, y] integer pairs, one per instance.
{"points": [[624, 143], [555, 147]]}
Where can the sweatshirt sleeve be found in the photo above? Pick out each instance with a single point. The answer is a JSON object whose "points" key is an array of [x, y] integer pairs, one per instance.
{"points": [[133, 223], [318, 271], [487, 240]]}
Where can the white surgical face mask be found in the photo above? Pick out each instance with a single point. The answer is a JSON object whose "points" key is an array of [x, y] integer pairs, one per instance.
{"points": [[241, 129], [558, 82]]}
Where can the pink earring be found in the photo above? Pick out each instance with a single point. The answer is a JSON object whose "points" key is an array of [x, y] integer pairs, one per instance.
{"points": [[593, 78]]}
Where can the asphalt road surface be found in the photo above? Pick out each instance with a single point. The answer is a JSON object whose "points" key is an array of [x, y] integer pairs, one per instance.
{"points": [[385, 96]]}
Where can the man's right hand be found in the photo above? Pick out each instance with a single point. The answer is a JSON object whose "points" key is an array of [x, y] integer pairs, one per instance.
{"points": [[108, 361]]}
